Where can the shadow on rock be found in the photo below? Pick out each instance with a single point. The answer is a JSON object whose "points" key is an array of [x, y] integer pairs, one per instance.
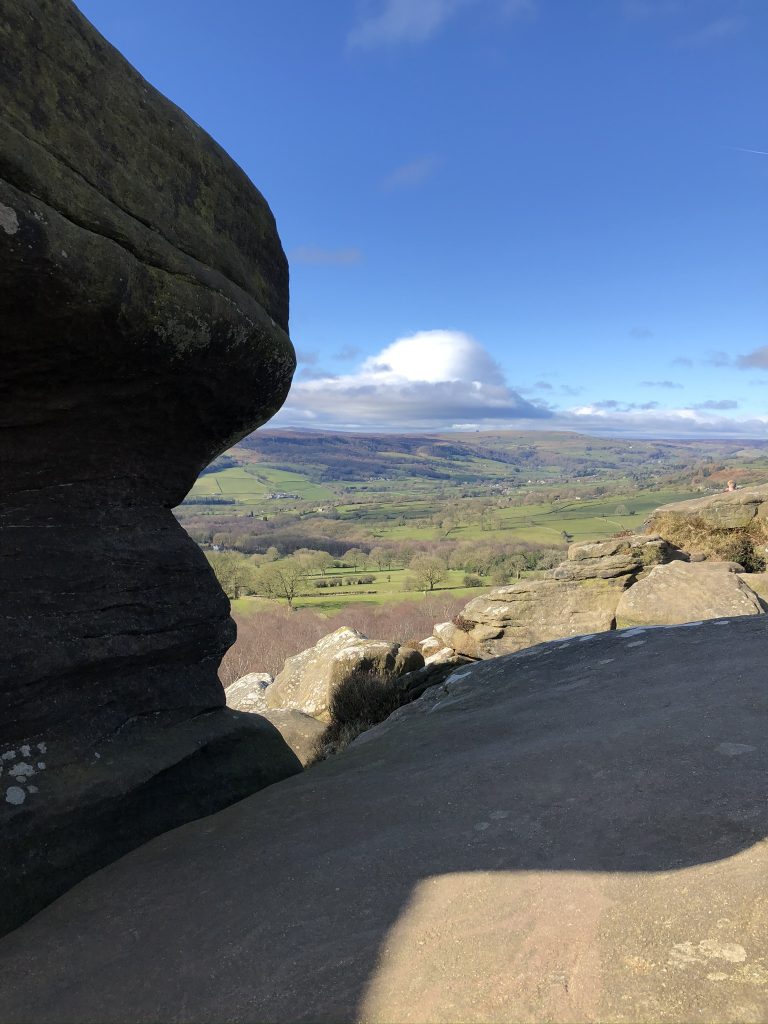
{"points": [[571, 832]]}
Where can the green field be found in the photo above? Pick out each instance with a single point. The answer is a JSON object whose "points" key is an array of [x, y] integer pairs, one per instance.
{"points": [[250, 485], [448, 494], [388, 588], [541, 523]]}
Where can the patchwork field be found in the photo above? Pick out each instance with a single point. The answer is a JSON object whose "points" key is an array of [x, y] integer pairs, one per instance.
{"points": [[510, 491]]}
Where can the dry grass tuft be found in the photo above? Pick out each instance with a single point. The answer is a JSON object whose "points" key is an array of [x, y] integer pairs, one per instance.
{"points": [[360, 702], [691, 533]]}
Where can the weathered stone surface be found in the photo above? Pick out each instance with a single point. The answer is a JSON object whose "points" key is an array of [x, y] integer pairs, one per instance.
{"points": [[248, 693], [429, 646], [299, 731], [621, 556], [446, 655], [573, 833], [758, 582], [143, 302], [728, 509], [450, 635], [534, 611], [682, 592], [436, 669], [308, 679]]}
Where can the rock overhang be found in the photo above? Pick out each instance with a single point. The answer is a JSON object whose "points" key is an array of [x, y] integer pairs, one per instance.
{"points": [[144, 302]]}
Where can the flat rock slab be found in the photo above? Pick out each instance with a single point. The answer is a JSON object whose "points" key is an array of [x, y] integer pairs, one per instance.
{"points": [[575, 832]]}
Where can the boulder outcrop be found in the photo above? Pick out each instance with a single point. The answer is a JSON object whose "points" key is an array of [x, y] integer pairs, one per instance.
{"points": [[308, 679], [144, 303], [532, 612], [249, 692], [757, 582], [609, 559], [682, 592], [576, 832], [727, 509], [642, 579], [727, 525]]}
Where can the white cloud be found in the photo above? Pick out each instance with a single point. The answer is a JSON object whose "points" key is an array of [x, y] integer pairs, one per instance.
{"points": [[388, 22], [718, 403], [435, 356], [444, 380], [757, 359], [714, 31], [397, 21], [657, 422], [426, 381], [410, 174]]}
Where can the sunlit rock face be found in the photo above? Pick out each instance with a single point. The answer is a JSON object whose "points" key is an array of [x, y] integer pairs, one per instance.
{"points": [[144, 310]]}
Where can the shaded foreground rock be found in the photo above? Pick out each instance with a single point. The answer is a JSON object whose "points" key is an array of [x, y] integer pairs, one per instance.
{"points": [[143, 301], [299, 731], [308, 679], [575, 832], [437, 668], [680, 592]]}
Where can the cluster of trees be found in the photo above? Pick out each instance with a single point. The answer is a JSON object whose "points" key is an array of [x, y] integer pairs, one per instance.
{"points": [[428, 565]]}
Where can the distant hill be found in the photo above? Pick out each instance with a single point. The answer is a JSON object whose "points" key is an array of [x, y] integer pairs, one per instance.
{"points": [[471, 457]]}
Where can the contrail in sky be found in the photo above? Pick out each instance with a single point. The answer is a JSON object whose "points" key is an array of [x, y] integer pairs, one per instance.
{"points": [[740, 149]]}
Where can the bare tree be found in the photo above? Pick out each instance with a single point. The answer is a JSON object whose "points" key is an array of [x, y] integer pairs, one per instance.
{"points": [[355, 557], [233, 571], [380, 557], [428, 571], [282, 579]]}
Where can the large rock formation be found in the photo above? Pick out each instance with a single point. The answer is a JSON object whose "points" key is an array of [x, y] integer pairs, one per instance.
{"points": [[573, 833], [682, 592], [143, 302], [727, 525], [611, 559], [726, 510], [641, 579], [579, 596], [532, 612], [308, 679]]}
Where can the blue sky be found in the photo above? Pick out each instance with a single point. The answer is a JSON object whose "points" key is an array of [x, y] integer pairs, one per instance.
{"points": [[498, 213]]}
